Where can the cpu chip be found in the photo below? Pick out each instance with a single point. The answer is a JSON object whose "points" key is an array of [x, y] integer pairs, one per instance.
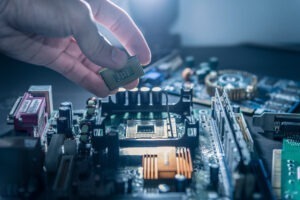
{"points": [[117, 78]]}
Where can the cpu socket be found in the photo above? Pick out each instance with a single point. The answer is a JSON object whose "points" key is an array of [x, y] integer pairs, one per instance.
{"points": [[150, 128]]}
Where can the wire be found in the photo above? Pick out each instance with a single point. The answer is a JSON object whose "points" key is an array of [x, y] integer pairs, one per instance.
{"points": [[168, 113]]}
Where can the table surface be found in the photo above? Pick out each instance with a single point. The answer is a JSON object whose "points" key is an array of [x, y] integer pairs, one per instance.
{"points": [[16, 77]]}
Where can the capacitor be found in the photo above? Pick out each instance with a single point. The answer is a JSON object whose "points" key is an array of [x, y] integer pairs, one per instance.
{"points": [[180, 183], [190, 61], [145, 95], [201, 74], [63, 126], [133, 96], [213, 63], [163, 188], [204, 65], [121, 96], [214, 175], [187, 74], [69, 105], [236, 108], [65, 111], [156, 96]]}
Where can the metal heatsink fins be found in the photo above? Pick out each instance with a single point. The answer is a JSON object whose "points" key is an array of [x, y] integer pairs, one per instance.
{"points": [[167, 163]]}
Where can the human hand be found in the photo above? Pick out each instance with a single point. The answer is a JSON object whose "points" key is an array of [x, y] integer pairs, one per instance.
{"points": [[63, 36]]}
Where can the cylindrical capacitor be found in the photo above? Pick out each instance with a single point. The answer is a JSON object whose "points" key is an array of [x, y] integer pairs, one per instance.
{"points": [[133, 96], [190, 61], [201, 74], [121, 96], [236, 108], [213, 63], [145, 95], [156, 96], [204, 65], [69, 105], [214, 175], [180, 183], [63, 126], [66, 112]]}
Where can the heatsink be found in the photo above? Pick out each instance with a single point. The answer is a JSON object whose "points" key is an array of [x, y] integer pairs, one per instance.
{"points": [[168, 162]]}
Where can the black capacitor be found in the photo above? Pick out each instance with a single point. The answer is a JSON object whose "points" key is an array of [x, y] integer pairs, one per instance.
{"points": [[180, 183], [236, 108], [201, 74], [121, 96], [190, 61], [69, 105], [204, 65], [66, 112], [63, 126], [214, 175], [213, 63], [156, 96], [145, 95], [133, 96]]}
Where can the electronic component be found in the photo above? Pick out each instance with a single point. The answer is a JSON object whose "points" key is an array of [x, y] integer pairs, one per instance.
{"points": [[166, 163], [30, 115], [115, 79], [62, 184], [141, 144], [282, 125], [276, 172], [230, 138], [239, 85], [43, 91], [21, 169], [150, 128], [252, 93], [54, 152], [290, 169]]}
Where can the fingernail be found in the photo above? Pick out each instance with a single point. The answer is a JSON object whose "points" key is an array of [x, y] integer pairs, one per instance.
{"points": [[119, 57]]}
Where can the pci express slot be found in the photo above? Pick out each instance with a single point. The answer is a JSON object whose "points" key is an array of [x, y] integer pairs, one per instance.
{"points": [[282, 125], [62, 183]]}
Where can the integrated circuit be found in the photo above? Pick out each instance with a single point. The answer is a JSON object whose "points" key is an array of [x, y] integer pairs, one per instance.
{"points": [[115, 79]]}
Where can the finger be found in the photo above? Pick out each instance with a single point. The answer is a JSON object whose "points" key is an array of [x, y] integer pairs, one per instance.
{"points": [[91, 43], [78, 73], [64, 59], [123, 27], [132, 84]]}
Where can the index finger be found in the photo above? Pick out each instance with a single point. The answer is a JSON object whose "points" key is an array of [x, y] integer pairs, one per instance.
{"points": [[123, 27]]}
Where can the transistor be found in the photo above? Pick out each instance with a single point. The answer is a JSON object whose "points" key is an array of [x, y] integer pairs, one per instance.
{"points": [[117, 78]]}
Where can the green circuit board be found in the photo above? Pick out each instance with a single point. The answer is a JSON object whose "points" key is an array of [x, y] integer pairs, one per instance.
{"points": [[290, 174]]}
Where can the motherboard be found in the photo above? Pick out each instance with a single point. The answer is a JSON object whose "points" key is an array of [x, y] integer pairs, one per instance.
{"points": [[136, 144], [254, 94]]}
